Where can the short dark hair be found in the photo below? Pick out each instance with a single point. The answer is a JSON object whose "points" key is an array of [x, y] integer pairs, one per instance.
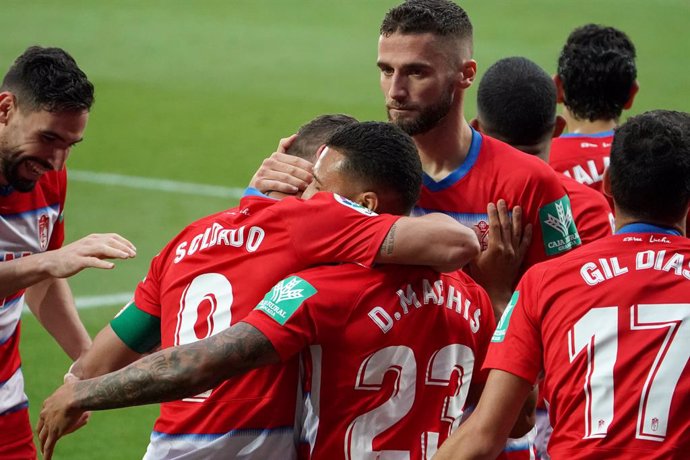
{"points": [[48, 79], [439, 17], [597, 70], [650, 165], [382, 156], [516, 101], [315, 133]]}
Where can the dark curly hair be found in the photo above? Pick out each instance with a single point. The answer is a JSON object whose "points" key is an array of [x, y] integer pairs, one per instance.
{"points": [[48, 79], [650, 165], [439, 17], [597, 70]]}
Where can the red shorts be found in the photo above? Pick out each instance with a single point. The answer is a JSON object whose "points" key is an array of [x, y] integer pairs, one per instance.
{"points": [[16, 436]]}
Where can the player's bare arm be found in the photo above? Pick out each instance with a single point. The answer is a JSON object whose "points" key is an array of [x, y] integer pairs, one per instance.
{"points": [[498, 267], [283, 173], [167, 375], [434, 240], [87, 252], [484, 434]]}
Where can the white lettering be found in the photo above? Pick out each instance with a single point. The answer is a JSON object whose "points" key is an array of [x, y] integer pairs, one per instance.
{"points": [[382, 319]]}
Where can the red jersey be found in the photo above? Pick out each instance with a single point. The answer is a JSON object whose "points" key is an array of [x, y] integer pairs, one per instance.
{"points": [[211, 276], [380, 386], [494, 170], [583, 157], [609, 325], [591, 210]]}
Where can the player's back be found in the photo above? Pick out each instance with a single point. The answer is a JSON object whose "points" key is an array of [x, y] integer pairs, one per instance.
{"points": [[209, 277], [494, 170], [615, 323], [583, 157], [591, 211], [393, 351]]}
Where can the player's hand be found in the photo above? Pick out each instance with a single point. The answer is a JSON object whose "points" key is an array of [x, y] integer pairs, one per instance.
{"points": [[497, 268], [57, 419], [87, 252], [282, 172]]}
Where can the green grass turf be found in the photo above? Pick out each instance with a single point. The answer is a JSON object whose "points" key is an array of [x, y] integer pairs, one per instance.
{"points": [[201, 91]]}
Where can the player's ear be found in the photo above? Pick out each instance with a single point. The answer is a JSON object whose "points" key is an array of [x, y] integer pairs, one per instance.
{"points": [[559, 126], [633, 92], [468, 71], [369, 200], [606, 184], [7, 105], [559, 89]]}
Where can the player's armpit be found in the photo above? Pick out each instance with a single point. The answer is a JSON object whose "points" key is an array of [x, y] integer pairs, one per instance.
{"points": [[434, 240]]}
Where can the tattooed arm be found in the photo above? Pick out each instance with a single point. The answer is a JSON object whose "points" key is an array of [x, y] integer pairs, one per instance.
{"points": [[435, 240], [167, 375]]}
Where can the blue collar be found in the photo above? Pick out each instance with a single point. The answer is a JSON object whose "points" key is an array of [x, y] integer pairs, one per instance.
{"points": [[641, 227], [592, 135], [461, 171]]}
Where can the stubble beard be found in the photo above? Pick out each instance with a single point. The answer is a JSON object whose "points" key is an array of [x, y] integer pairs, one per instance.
{"points": [[9, 169], [427, 119]]}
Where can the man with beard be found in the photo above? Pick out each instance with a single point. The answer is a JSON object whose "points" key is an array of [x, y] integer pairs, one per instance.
{"points": [[44, 106]]}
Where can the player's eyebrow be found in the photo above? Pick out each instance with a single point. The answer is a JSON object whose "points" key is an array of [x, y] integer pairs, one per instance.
{"points": [[54, 135]]}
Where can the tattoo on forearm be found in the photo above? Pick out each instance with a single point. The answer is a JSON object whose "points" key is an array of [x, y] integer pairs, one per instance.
{"points": [[389, 242], [179, 372]]}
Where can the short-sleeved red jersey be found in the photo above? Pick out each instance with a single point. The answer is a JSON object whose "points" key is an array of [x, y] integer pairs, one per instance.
{"points": [[210, 276], [591, 210], [493, 170], [583, 157], [393, 351], [609, 325]]}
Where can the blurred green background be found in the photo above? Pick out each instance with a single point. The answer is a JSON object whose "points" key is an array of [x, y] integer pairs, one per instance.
{"points": [[201, 91]]}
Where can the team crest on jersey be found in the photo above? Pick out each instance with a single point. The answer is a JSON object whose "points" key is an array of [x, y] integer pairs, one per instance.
{"points": [[481, 228], [351, 204], [502, 326], [285, 298], [558, 227], [43, 226]]}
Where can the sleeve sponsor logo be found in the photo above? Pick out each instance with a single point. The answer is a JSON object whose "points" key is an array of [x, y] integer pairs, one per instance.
{"points": [[285, 298], [502, 327], [558, 227], [351, 204]]}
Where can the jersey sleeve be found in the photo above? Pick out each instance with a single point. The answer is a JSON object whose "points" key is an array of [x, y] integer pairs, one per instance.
{"points": [[57, 236], [516, 345], [550, 212], [147, 295], [329, 228]]}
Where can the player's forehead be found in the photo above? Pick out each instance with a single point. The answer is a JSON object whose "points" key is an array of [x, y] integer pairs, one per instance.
{"points": [[399, 50]]}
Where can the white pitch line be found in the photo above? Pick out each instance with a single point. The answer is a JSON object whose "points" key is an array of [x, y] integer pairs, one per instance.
{"points": [[147, 183], [98, 301]]}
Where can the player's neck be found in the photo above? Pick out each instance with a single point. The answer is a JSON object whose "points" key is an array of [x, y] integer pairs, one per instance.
{"points": [[444, 148], [576, 125], [623, 219]]}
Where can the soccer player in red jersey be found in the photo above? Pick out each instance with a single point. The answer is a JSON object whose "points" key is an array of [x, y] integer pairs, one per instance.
{"points": [[596, 81], [362, 323], [516, 103], [213, 273], [44, 106], [607, 325]]}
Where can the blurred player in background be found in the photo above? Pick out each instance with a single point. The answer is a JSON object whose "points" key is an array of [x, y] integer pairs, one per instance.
{"points": [[608, 325], [595, 81], [215, 271], [44, 106], [516, 103]]}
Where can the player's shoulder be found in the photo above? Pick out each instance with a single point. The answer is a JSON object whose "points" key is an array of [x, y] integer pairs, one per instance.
{"points": [[345, 281], [579, 191], [520, 165]]}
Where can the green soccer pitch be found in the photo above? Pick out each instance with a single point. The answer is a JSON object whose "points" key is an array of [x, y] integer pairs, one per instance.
{"points": [[199, 92]]}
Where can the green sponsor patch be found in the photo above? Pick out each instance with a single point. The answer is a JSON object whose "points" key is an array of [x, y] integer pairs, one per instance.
{"points": [[502, 327], [558, 227], [285, 298]]}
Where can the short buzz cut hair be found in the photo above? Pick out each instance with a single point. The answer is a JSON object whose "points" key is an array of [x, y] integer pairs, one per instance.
{"points": [[383, 157], [315, 133], [48, 79], [516, 102], [650, 166], [597, 70], [439, 17]]}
